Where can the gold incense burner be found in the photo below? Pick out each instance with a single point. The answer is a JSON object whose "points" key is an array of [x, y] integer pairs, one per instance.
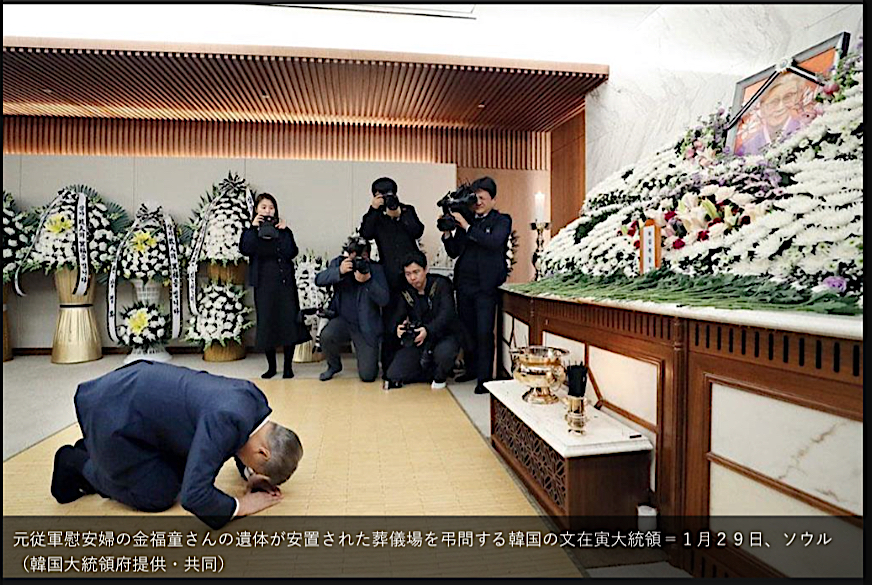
{"points": [[540, 368]]}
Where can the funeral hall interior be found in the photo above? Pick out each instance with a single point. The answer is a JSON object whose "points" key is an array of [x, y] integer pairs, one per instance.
{"points": [[676, 389]]}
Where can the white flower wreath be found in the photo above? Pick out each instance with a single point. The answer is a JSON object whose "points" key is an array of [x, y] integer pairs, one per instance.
{"points": [[144, 326], [17, 233], [55, 247], [222, 315]]}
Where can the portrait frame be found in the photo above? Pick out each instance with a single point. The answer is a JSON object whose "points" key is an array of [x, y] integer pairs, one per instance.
{"points": [[806, 69]]}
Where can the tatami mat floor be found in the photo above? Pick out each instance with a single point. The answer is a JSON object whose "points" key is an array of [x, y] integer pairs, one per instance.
{"points": [[368, 452], [410, 451]]}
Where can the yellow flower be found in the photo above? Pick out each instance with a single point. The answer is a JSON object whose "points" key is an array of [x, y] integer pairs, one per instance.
{"points": [[138, 321], [58, 223], [142, 241]]}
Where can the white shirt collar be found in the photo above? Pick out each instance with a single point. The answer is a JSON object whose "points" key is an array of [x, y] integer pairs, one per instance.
{"points": [[258, 427]]}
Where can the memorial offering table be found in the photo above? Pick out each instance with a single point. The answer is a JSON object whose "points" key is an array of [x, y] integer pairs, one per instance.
{"points": [[601, 473]]}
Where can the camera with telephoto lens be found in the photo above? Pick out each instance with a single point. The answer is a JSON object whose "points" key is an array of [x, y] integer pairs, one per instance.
{"points": [[392, 202], [461, 201], [357, 245], [407, 339], [267, 228]]}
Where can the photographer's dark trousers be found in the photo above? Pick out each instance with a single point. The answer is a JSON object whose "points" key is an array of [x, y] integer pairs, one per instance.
{"points": [[337, 333], [477, 311], [390, 342], [407, 367]]}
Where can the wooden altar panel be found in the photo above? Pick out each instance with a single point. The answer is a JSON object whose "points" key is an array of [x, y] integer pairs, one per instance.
{"points": [[812, 371]]}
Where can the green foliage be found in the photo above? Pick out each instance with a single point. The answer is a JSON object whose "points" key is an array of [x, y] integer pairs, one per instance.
{"points": [[723, 291]]}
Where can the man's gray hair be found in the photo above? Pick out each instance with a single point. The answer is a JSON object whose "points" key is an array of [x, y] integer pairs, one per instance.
{"points": [[285, 453]]}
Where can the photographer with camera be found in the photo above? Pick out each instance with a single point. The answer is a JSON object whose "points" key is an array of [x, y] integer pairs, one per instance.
{"points": [[271, 249], [395, 227], [359, 291], [426, 324], [479, 245]]}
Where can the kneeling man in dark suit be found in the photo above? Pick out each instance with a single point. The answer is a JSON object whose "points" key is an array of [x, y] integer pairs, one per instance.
{"points": [[155, 432]]}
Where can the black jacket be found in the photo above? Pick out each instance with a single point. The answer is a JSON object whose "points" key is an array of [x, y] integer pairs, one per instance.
{"points": [[370, 295], [440, 319], [286, 248], [480, 252], [395, 238]]}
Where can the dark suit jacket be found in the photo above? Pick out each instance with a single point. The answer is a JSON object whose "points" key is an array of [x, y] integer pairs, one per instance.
{"points": [[371, 295], [147, 410], [440, 319], [481, 253], [287, 251], [395, 239]]}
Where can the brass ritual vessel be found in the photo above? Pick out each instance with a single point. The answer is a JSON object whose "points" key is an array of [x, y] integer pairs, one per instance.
{"points": [[540, 368], [575, 416]]}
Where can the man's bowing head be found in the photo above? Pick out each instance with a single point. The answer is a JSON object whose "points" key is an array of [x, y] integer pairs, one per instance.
{"points": [[273, 451]]}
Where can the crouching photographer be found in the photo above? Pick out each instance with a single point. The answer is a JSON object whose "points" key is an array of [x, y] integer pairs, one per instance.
{"points": [[359, 291], [426, 323]]}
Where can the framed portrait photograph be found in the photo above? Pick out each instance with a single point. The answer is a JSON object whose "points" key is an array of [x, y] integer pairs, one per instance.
{"points": [[773, 104]]}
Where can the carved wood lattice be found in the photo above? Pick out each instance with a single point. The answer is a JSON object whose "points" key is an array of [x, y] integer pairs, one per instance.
{"points": [[544, 465]]}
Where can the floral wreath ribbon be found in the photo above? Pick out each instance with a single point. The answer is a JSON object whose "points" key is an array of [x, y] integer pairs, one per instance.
{"points": [[82, 193], [200, 237], [143, 215]]}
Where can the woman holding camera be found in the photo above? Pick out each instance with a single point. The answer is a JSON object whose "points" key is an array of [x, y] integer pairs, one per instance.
{"points": [[271, 249]]}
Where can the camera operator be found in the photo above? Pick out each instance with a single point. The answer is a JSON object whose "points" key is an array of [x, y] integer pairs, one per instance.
{"points": [[271, 249], [480, 249], [359, 291], [395, 227], [426, 323]]}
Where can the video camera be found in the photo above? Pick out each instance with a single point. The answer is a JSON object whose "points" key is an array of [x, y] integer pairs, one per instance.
{"points": [[267, 228], [392, 202], [461, 201], [357, 245]]}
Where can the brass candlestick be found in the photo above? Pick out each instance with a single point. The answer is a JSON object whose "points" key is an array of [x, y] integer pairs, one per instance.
{"points": [[575, 414], [540, 227]]}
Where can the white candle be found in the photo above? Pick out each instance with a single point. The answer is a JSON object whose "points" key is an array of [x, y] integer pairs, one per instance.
{"points": [[539, 215]]}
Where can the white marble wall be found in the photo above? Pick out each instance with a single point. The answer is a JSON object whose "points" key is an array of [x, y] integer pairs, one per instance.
{"points": [[735, 499], [521, 338], [682, 60], [815, 452]]}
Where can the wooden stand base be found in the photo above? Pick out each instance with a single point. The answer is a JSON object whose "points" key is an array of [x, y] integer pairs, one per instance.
{"points": [[219, 353], [606, 487]]}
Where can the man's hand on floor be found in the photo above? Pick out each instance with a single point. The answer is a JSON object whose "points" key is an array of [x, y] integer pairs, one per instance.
{"points": [[254, 502], [261, 483]]}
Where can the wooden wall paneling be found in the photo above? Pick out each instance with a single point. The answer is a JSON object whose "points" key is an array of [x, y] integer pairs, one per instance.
{"points": [[812, 355], [567, 171], [834, 397], [116, 137]]}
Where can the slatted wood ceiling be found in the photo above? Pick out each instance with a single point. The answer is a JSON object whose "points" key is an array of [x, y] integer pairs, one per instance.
{"points": [[218, 87]]}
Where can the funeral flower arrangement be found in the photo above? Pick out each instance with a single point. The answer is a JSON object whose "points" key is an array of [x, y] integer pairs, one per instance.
{"points": [[16, 235], [143, 326], [55, 242], [512, 251], [145, 254], [312, 297], [788, 220], [218, 222], [222, 317]]}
